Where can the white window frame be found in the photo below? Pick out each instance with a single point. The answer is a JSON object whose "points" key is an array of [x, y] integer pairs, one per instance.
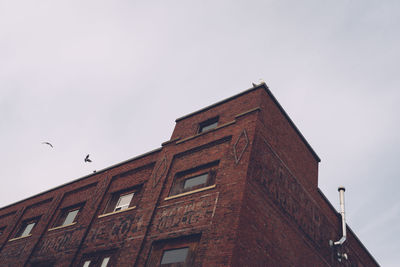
{"points": [[119, 207]]}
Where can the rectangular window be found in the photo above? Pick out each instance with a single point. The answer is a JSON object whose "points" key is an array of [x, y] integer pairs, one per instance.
{"points": [[195, 181], [26, 228], [176, 255], [100, 259], [195, 178], [123, 200], [69, 215], [177, 252], [105, 261], [208, 125]]}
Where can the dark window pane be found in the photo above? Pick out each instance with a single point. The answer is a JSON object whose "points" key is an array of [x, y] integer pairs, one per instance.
{"points": [[174, 255], [207, 127], [194, 181]]}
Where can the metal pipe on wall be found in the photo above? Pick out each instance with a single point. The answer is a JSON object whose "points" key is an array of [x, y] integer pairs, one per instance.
{"points": [[341, 190]]}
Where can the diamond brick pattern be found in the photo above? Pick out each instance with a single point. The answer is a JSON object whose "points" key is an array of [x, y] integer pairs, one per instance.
{"points": [[240, 146]]}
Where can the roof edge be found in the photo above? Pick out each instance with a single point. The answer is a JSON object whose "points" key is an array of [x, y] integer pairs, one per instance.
{"points": [[266, 88], [83, 177], [292, 124], [262, 85]]}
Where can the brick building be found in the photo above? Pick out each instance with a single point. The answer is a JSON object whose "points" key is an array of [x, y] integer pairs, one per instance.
{"points": [[236, 185]]}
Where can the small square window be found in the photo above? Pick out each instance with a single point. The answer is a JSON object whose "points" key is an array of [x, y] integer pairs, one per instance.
{"points": [[26, 228], [196, 178], [208, 125]]}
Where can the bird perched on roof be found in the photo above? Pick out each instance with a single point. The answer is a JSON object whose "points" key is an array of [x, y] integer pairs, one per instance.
{"points": [[260, 82], [47, 143], [87, 159]]}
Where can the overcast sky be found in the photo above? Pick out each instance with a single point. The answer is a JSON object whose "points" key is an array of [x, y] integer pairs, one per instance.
{"points": [[110, 77]]}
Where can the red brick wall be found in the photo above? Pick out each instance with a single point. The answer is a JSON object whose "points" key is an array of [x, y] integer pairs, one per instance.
{"points": [[213, 213], [264, 210], [284, 224], [188, 126], [287, 143]]}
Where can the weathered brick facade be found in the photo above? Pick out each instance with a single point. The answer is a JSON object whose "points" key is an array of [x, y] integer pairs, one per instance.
{"points": [[243, 193]]}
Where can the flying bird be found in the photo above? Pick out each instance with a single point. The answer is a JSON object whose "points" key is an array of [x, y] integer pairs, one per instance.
{"points": [[47, 143], [87, 159]]}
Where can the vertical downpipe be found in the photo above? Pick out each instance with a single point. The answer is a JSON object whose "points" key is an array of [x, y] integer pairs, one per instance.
{"points": [[341, 190]]}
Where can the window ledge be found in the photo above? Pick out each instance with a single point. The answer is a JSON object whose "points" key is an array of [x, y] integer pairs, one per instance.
{"points": [[206, 132], [115, 212], [61, 226], [247, 112], [191, 192], [17, 238]]}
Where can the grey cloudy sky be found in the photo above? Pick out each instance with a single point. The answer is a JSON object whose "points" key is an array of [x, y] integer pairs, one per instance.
{"points": [[110, 77]]}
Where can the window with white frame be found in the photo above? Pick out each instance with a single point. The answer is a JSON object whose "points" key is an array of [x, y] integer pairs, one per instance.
{"points": [[122, 200]]}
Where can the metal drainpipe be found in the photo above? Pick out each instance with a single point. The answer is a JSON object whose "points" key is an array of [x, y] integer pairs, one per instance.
{"points": [[341, 190]]}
